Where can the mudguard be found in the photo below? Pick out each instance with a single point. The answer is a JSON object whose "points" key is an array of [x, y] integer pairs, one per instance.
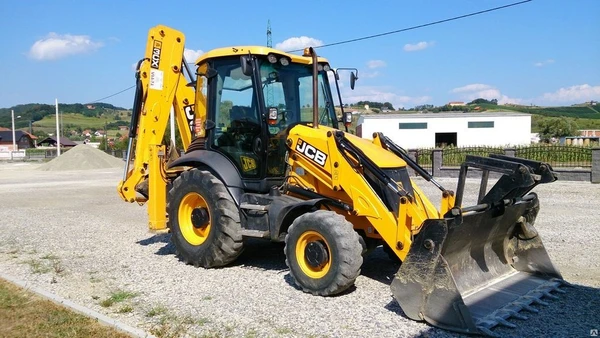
{"points": [[218, 164]]}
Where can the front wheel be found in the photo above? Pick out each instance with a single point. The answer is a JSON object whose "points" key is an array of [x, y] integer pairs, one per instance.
{"points": [[323, 253], [204, 220]]}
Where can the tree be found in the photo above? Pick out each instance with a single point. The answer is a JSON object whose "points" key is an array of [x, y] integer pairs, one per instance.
{"points": [[484, 101], [556, 128], [389, 105], [103, 144]]}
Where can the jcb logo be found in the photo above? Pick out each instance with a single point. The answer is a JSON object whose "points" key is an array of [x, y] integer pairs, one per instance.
{"points": [[156, 54], [311, 152], [189, 115], [248, 163]]}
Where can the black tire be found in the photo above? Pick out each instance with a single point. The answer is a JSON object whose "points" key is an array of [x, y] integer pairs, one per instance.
{"points": [[220, 242], [341, 243]]}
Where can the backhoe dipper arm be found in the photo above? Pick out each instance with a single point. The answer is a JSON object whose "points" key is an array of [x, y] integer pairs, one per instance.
{"points": [[160, 85]]}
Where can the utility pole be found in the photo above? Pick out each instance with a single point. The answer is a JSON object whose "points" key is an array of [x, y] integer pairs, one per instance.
{"points": [[57, 131], [105, 137], [12, 114], [269, 40]]}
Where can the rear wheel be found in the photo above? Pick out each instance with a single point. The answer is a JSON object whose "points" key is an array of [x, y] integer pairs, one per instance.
{"points": [[323, 253], [204, 220]]}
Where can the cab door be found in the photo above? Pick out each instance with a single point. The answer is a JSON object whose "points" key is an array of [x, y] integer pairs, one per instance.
{"points": [[238, 132]]}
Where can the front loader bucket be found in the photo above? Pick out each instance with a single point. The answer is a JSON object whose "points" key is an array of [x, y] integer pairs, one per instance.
{"points": [[476, 270]]}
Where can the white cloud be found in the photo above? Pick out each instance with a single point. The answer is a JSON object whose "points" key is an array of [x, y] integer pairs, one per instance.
{"points": [[573, 94], [418, 46], [383, 94], [56, 46], [567, 95], [479, 90], [295, 43], [369, 75], [544, 63], [191, 55], [471, 88], [376, 64]]}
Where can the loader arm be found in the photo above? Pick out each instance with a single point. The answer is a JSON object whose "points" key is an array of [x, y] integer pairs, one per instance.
{"points": [[383, 203], [160, 86]]}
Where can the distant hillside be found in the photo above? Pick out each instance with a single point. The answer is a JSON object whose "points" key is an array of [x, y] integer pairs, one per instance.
{"points": [[36, 112], [74, 117], [579, 111], [77, 117]]}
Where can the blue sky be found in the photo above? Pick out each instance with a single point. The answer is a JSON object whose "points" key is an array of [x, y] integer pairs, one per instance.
{"points": [[544, 52]]}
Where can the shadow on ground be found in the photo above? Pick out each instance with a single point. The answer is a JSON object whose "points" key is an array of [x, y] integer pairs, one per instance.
{"points": [[167, 249], [576, 313]]}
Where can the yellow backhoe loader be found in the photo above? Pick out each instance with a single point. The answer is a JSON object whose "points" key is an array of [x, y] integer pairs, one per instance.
{"points": [[266, 156]]}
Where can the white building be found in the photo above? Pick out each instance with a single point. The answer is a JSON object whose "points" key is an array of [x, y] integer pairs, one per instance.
{"points": [[459, 129]]}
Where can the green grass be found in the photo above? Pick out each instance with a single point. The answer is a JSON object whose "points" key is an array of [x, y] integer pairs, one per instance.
{"points": [[45, 264], [74, 120], [125, 309], [171, 326], [284, 331], [23, 314], [156, 311], [117, 297], [38, 266]]}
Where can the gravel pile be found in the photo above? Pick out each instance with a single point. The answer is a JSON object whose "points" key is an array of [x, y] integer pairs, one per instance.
{"points": [[82, 157], [88, 244]]}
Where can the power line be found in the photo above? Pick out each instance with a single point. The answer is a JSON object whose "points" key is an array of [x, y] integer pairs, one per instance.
{"points": [[109, 96], [418, 26], [372, 36]]}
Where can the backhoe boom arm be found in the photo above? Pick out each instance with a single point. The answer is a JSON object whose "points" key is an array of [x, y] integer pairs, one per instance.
{"points": [[160, 86]]}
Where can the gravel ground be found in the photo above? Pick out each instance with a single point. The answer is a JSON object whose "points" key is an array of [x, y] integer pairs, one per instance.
{"points": [[69, 233]]}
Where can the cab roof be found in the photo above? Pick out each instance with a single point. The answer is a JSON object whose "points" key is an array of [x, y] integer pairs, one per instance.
{"points": [[255, 50]]}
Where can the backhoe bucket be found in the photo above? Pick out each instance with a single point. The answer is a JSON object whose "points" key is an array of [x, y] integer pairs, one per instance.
{"points": [[477, 269]]}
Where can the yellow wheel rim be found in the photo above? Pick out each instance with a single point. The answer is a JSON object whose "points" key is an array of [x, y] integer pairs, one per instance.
{"points": [[309, 270], [193, 235]]}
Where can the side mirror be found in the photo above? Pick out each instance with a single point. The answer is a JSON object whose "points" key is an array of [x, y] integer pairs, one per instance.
{"points": [[210, 125], [210, 73], [353, 79], [246, 65], [347, 119]]}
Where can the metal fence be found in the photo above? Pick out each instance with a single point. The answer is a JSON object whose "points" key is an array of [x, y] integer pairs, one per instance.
{"points": [[424, 157], [454, 157], [117, 153], [563, 156], [48, 154], [41, 154], [558, 155]]}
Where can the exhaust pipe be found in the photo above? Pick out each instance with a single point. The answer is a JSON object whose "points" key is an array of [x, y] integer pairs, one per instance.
{"points": [[315, 88]]}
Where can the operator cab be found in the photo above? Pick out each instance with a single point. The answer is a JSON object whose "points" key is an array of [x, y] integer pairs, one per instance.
{"points": [[253, 98]]}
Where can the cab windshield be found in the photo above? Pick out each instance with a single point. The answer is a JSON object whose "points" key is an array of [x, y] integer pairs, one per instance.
{"points": [[289, 90]]}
